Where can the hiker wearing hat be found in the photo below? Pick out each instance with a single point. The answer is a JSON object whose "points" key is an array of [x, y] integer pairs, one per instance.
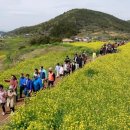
{"points": [[37, 83], [11, 99], [51, 78]]}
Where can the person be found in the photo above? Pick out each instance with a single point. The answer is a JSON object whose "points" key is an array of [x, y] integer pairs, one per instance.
{"points": [[101, 51], [2, 99], [80, 61], [76, 59], [43, 74], [57, 68], [36, 72], [65, 68], [104, 49], [22, 83], [14, 84], [51, 78], [73, 66], [109, 48], [11, 98], [61, 71], [28, 86], [68, 68], [84, 56], [67, 59], [94, 56], [37, 83]]}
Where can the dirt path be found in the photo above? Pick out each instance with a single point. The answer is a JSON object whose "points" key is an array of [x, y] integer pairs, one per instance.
{"points": [[5, 119]]}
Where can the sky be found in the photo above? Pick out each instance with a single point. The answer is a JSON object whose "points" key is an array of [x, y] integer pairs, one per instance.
{"points": [[18, 13]]}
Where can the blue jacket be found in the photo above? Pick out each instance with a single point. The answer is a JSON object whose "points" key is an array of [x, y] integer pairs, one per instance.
{"points": [[29, 84], [37, 84], [45, 73], [22, 81]]}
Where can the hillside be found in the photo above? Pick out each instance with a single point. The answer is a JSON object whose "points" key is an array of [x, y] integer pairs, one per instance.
{"points": [[51, 56], [1, 32], [128, 21], [95, 97], [78, 22]]}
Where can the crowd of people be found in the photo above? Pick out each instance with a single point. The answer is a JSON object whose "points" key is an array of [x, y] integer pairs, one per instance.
{"points": [[41, 80], [110, 48]]}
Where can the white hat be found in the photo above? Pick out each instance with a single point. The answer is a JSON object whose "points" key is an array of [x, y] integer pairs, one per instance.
{"points": [[50, 69]]}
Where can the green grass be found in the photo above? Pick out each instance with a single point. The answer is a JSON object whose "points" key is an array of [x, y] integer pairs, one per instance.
{"points": [[49, 59]]}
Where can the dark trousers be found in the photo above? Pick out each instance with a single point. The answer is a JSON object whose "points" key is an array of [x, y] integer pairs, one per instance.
{"points": [[65, 72], [21, 90], [50, 83], [80, 65], [3, 107], [12, 109], [16, 95], [26, 93]]}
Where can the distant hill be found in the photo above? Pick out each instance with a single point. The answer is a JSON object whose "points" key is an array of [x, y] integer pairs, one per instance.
{"points": [[128, 21], [1, 32], [78, 22]]}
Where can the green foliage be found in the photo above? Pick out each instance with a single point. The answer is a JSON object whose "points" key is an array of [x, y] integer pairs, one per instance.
{"points": [[43, 40], [128, 21], [77, 21]]}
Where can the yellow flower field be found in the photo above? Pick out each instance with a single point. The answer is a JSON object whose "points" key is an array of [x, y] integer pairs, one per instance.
{"points": [[95, 97], [91, 45]]}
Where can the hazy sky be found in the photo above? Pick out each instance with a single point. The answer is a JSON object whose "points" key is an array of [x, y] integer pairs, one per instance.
{"points": [[17, 13]]}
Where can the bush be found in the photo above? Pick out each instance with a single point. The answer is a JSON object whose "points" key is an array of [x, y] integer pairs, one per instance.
{"points": [[44, 40]]}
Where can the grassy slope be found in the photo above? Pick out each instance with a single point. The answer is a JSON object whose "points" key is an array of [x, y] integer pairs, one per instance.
{"points": [[95, 97], [51, 58], [10, 49]]}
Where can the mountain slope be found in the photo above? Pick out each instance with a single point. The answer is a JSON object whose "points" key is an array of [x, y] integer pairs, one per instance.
{"points": [[77, 21], [128, 21], [1, 32]]}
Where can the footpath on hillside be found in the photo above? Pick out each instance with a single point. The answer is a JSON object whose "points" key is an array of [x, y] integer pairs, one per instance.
{"points": [[5, 119]]}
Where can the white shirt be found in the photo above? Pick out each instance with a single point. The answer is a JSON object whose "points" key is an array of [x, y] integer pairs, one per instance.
{"points": [[61, 70], [65, 67], [57, 68], [2, 98]]}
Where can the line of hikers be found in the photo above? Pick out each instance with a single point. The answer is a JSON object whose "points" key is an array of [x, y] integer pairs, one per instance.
{"points": [[110, 48], [41, 80]]}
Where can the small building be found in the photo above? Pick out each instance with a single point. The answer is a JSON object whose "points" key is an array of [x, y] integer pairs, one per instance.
{"points": [[67, 40]]}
